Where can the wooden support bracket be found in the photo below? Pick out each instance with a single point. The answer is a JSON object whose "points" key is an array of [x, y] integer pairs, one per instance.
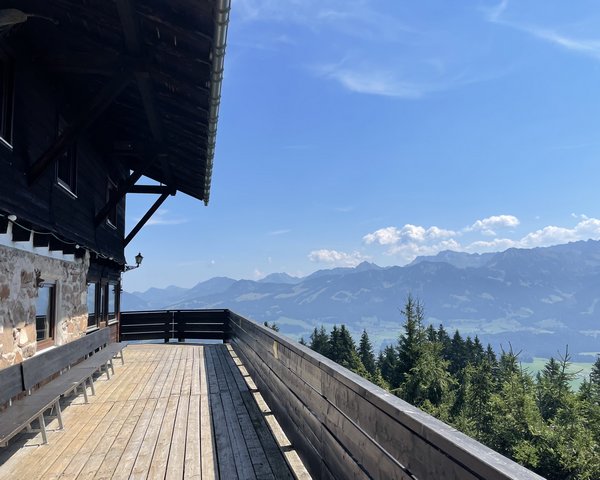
{"points": [[145, 218]]}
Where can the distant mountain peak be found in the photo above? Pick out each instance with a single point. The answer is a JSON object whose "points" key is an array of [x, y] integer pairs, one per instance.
{"points": [[456, 259], [280, 277]]}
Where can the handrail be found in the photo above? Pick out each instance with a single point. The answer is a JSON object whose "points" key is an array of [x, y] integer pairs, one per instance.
{"points": [[342, 425]]}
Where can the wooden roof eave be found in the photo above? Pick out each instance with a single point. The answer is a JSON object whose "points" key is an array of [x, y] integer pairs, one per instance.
{"points": [[218, 58]]}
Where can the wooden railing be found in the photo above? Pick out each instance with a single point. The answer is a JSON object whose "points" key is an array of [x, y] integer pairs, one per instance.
{"points": [[177, 325], [341, 425]]}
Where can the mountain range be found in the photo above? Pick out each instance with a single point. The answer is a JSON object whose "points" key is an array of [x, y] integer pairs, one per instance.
{"points": [[534, 300]]}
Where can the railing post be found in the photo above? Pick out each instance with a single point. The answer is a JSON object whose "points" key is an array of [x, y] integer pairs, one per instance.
{"points": [[226, 326], [180, 327]]}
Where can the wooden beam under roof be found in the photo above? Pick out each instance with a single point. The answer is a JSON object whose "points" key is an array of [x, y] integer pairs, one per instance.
{"points": [[97, 107], [145, 218], [121, 190], [150, 189], [134, 46]]}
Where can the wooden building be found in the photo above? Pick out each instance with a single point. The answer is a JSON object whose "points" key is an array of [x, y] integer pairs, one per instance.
{"points": [[94, 96]]}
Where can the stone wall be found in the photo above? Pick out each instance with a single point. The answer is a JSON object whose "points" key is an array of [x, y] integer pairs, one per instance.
{"points": [[18, 296]]}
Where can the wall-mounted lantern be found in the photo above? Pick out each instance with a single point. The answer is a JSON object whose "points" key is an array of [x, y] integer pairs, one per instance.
{"points": [[138, 262]]}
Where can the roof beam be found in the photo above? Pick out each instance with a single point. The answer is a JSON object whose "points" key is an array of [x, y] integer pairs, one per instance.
{"points": [[135, 48], [74, 130], [121, 191], [145, 218], [150, 189]]}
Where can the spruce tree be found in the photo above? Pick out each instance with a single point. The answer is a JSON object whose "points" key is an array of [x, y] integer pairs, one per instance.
{"points": [[319, 341], [365, 352], [410, 344], [387, 363]]}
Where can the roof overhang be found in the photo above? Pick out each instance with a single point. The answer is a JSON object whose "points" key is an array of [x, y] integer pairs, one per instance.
{"points": [[158, 68]]}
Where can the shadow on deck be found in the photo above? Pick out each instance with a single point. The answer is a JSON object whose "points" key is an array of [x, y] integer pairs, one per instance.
{"points": [[172, 411]]}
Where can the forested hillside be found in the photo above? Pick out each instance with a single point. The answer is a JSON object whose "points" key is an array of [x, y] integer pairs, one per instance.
{"points": [[538, 421]]}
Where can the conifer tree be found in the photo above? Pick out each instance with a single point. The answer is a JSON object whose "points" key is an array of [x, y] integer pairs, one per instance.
{"points": [[365, 353], [457, 354], [410, 344], [319, 341], [387, 364]]}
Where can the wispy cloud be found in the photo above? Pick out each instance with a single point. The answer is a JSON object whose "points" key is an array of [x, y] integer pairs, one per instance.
{"points": [[337, 258], [162, 217], [346, 209], [355, 18], [589, 47], [279, 232], [373, 82], [494, 13], [373, 79]]}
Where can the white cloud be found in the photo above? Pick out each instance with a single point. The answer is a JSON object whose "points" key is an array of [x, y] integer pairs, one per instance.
{"points": [[495, 245], [494, 13], [488, 225], [162, 217], [409, 251], [383, 236], [334, 257], [355, 18], [411, 241], [373, 82], [589, 47], [258, 274], [280, 232], [409, 232]]}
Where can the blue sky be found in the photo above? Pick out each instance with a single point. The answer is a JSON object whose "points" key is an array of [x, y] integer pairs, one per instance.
{"points": [[356, 130]]}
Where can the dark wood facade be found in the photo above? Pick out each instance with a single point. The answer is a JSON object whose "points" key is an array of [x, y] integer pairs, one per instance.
{"points": [[117, 89], [96, 97]]}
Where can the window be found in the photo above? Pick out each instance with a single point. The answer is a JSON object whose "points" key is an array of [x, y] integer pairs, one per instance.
{"points": [[111, 219], [92, 305], [66, 164], [7, 85], [113, 301], [45, 311]]}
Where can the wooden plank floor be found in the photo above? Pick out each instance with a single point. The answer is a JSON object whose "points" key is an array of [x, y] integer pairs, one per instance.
{"points": [[171, 412]]}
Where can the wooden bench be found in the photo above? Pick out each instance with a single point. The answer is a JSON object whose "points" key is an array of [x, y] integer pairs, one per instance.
{"points": [[75, 363]]}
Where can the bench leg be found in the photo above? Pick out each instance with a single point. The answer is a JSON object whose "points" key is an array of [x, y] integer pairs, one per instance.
{"points": [[107, 371], [43, 428], [112, 367], [85, 395], [91, 380], [58, 412], [121, 357]]}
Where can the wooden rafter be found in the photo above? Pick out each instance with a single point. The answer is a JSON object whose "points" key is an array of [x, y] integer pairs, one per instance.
{"points": [[117, 194], [98, 106], [135, 48], [150, 189]]}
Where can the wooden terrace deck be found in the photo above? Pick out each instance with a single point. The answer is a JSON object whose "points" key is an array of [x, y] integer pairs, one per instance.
{"points": [[171, 412]]}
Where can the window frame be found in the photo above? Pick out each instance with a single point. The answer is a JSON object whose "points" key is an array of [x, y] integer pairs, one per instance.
{"points": [[51, 312], [93, 318], [113, 317], [7, 99], [111, 218], [69, 157]]}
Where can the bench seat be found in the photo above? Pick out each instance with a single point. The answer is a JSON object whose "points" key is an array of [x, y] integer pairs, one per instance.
{"points": [[23, 412]]}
